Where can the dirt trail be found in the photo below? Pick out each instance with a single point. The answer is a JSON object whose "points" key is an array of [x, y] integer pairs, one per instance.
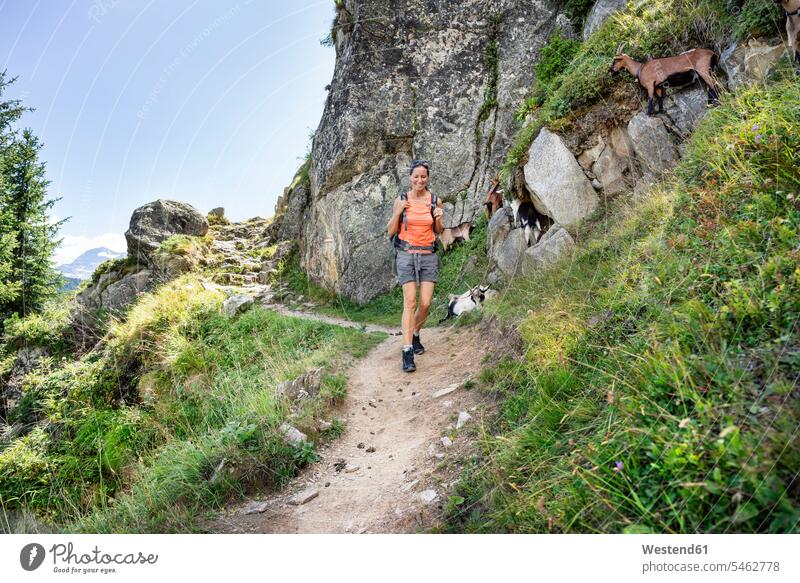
{"points": [[381, 474]]}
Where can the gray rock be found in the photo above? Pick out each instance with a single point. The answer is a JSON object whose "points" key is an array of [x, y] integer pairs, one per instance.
{"points": [[237, 304], [505, 243], [601, 10], [589, 156], [507, 256], [113, 292], [218, 212], [610, 172], [686, 108], [156, 221], [558, 185], [652, 144], [428, 496], [447, 442], [411, 82], [609, 161], [749, 63], [760, 59], [292, 434], [463, 417], [254, 507], [554, 244], [293, 217], [303, 497], [303, 387], [499, 227], [446, 391]]}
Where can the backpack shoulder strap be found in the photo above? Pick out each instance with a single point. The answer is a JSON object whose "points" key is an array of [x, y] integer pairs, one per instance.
{"points": [[403, 218]]}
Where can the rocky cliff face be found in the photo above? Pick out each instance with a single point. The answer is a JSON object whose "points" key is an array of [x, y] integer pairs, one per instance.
{"points": [[413, 79]]}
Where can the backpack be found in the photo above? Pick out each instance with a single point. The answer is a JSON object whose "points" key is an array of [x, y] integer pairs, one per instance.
{"points": [[403, 245]]}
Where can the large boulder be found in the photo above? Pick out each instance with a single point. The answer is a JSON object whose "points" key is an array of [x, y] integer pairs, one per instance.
{"points": [[437, 83], [601, 10], [292, 218], [652, 143], [686, 108], [610, 161], [111, 293], [559, 188], [346, 247], [750, 63], [506, 244], [156, 221], [554, 244]]}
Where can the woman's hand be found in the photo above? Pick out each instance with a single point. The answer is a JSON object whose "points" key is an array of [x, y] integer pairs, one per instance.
{"points": [[437, 213]]}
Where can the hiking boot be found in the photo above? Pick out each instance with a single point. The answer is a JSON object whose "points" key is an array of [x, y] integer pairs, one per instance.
{"points": [[418, 347], [408, 361]]}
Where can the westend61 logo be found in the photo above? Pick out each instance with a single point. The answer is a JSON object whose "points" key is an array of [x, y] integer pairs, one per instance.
{"points": [[66, 560]]}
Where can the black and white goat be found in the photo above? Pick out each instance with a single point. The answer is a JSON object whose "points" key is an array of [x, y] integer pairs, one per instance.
{"points": [[468, 301], [525, 216]]}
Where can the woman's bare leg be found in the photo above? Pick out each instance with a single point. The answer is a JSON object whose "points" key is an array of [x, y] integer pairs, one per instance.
{"points": [[425, 297], [409, 303]]}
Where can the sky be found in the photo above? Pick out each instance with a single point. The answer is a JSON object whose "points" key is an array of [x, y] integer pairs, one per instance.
{"points": [[209, 102]]}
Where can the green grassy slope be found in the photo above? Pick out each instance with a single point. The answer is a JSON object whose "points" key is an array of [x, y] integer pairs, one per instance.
{"points": [[132, 437], [660, 390]]}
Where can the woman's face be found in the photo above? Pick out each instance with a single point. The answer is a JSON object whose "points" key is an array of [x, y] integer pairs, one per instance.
{"points": [[419, 178]]}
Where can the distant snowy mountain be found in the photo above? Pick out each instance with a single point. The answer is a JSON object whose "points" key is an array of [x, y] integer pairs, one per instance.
{"points": [[84, 266]]}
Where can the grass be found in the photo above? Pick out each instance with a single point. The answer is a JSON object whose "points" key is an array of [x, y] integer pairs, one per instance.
{"points": [[659, 389], [172, 416]]}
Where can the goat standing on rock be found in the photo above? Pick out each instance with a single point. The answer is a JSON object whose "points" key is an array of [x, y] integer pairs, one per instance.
{"points": [[656, 74], [791, 10]]}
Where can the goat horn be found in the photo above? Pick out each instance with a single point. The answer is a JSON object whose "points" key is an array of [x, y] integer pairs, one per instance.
{"points": [[621, 47]]}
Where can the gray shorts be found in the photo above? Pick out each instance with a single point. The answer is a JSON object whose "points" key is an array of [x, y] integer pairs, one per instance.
{"points": [[411, 265]]}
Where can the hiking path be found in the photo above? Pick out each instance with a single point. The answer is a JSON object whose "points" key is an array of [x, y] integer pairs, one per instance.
{"points": [[396, 463]]}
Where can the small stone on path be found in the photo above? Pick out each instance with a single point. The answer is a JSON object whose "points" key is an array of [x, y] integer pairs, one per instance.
{"points": [[428, 496], [445, 391], [292, 434], [304, 496], [463, 417], [255, 507]]}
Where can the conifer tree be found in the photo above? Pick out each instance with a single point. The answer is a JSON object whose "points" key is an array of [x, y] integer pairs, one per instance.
{"points": [[27, 238]]}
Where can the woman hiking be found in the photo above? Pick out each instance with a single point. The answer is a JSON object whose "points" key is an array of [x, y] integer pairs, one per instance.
{"points": [[416, 219]]}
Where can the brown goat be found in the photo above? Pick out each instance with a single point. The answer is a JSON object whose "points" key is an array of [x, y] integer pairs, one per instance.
{"points": [[494, 198], [656, 74], [455, 234], [791, 10]]}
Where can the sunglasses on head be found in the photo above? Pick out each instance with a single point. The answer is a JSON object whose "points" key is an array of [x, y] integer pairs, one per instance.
{"points": [[424, 163]]}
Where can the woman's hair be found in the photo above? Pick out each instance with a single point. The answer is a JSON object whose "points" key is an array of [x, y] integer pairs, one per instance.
{"points": [[416, 163]]}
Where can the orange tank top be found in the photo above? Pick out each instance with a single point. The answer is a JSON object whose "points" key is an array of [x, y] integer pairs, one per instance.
{"points": [[420, 224]]}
